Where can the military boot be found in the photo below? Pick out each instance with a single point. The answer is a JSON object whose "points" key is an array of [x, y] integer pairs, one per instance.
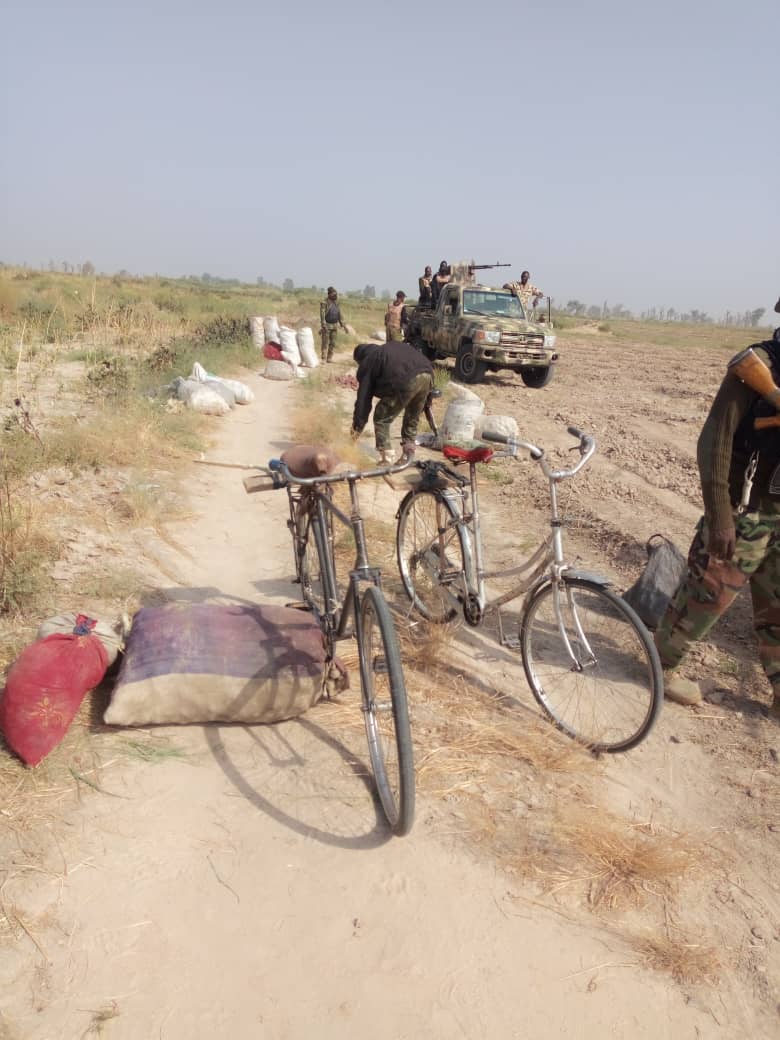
{"points": [[681, 691]]}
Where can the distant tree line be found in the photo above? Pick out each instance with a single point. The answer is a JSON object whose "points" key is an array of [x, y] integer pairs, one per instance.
{"points": [[748, 319]]}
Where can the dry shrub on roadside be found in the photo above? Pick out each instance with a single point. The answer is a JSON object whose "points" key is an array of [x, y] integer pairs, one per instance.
{"points": [[619, 863], [687, 963]]}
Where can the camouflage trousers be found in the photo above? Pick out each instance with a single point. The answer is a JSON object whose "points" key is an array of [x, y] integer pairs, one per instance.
{"points": [[712, 586], [328, 336], [395, 336], [411, 401]]}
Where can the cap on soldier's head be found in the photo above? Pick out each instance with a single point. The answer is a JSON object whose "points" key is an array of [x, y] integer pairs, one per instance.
{"points": [[330, 290], [400, 295]]}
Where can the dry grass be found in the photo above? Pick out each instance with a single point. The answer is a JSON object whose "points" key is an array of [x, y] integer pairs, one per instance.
{"points": [[618, 863], [688, 963]]}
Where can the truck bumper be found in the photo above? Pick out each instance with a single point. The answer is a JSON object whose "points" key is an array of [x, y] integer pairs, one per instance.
{"points": [[516, 359]]}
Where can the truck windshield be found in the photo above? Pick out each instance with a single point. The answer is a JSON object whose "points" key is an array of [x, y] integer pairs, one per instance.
{"points": [[492, 304]]}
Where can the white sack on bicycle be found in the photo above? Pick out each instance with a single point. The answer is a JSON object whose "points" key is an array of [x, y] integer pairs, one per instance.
{"points": [[460, 419]]}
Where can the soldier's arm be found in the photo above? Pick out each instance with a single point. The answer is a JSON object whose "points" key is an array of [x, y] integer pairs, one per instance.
{"points": [[714, 449], [322, 314], [363, 400]]}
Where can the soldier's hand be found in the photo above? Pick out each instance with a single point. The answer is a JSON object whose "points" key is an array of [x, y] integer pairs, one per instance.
{"points": [[722, 543], [354, 434]]}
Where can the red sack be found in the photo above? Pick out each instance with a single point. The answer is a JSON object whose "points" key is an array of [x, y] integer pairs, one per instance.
{"points": [[45, 687], [273, 352]]}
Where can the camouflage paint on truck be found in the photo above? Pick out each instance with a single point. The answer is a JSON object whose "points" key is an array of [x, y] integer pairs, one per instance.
{"points": [[484, 329]]}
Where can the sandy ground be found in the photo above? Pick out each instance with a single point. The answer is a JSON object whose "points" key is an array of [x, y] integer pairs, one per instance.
{"points": [[250, 888]]}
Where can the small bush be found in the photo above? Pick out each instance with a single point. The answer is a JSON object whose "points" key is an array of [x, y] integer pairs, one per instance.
{"points": [[605, 327], [221, 330], [111, 377]]}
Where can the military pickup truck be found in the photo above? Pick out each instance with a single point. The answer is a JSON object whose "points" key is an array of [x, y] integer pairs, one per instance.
{"points": [[485, 330]]}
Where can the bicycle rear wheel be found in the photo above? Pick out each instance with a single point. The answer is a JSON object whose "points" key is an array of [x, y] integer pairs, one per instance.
{"points": [[386, 711], [430, 554], [610, 698], [312, 560]]}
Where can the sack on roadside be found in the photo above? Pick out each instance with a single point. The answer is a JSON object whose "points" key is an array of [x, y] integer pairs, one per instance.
{"points": [[257, 325], [656, 585], [278, 370], [45, 687], [201, 397], [111, 634], [213, 663], [240, 392], [307, 348]]}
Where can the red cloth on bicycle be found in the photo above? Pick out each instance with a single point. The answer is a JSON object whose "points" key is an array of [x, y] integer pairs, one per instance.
{"points": [[467, 451]]}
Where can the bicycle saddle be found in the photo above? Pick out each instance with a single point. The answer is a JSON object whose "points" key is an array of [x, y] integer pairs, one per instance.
{"points": [[310, 460], [467, 451]]}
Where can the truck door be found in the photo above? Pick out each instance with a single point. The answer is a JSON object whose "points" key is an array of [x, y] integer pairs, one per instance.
{"points": [[450, 306]]}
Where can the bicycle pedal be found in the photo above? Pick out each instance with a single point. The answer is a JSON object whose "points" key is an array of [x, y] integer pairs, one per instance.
{"points": [[511, 642], [298, 605], [379, 665]]}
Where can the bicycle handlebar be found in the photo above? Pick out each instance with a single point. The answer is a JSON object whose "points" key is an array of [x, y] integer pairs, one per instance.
{"points": [[587, 447], [332, 478]]}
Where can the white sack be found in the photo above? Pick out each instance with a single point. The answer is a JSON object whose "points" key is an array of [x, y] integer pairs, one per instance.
{"points": [[289, 344], [460, 418], [505, 425], [201, 397], [258, 332], [271, 327], [307, 348], [242, 394], [278, 370]]}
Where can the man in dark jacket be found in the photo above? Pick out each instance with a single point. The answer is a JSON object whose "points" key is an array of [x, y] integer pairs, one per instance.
{"points": [[402, 379]]}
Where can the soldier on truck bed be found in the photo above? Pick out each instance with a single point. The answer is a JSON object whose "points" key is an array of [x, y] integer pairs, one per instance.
{"points": [[528, 293], [439, 280], [426, 296]]}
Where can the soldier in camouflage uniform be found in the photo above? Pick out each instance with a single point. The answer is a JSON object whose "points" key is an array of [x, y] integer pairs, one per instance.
{"points": [[735, 544], [527, 292], [330, 320], [401, 378]]}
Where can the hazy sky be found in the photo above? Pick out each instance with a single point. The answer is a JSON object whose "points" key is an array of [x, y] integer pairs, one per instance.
{"points": [[621, 152]]}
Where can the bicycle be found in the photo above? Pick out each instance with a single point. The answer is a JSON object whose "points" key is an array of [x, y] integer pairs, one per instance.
{"points": [[588, 658], [384, 703]]}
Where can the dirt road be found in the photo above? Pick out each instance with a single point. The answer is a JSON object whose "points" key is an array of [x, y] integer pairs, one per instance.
{"points": [[243, 884]]}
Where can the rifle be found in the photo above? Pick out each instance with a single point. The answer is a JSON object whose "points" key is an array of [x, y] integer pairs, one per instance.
{"points": [[484, 267]]}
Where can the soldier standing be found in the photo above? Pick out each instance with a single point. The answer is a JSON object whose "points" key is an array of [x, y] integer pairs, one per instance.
{"points": [[439, 280], [527, 292], [401, 378], [737, 541], [396, 319], [426, 296], [330, 320]]}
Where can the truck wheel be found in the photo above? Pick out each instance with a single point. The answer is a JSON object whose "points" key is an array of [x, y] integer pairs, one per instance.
{"points": [[536, 377], [468, 369]]}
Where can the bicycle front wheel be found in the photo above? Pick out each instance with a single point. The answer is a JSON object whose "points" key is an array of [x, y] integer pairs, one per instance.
{"points": [[591, 664], [430, 554], [386, 711]]}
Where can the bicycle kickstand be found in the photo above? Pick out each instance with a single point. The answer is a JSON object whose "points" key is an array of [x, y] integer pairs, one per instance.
{"points": [[509, 641]]}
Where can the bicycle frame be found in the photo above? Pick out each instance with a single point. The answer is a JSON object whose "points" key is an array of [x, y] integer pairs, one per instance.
{"points": [[321, 505], [547, 561], [314, 494]]}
